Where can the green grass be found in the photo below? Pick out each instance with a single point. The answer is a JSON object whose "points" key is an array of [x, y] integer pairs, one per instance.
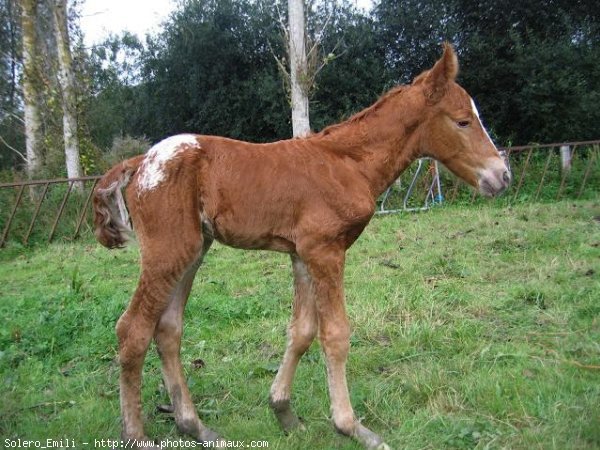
{"points": [[472, 328]]}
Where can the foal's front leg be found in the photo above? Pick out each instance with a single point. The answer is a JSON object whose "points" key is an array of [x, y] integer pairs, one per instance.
{"points": [[326, 267], [301, 333]]}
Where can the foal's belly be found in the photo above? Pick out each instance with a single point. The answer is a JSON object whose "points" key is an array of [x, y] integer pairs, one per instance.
{"points": [[250, 235]]}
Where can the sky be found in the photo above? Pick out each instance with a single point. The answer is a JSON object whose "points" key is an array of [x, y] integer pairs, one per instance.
{"points": [[102, 17], [99, 18]]}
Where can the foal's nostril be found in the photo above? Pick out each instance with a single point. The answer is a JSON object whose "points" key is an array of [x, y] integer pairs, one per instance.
{"points": [[506, 176]]}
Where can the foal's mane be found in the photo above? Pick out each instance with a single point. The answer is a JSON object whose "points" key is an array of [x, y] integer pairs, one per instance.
{"points": [[359, 116], [348, 130]]}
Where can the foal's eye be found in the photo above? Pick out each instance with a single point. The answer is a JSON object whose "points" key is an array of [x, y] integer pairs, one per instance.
{"points": [[463, 123]]}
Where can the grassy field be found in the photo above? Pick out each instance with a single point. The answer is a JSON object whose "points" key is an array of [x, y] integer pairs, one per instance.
{"points": [[472, 328]]}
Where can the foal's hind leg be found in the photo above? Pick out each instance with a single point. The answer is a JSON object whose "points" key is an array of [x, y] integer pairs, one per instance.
{"points": [[134, 331], [168, 340], [301, 333], [165, 263]]}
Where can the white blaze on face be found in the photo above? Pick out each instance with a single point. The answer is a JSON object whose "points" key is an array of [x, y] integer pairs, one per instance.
{"points": [[495, 176], [478, 118], [152, 169]]}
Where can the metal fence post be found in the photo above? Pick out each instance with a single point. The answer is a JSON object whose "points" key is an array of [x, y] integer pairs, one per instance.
{"points": [[565, 157]]}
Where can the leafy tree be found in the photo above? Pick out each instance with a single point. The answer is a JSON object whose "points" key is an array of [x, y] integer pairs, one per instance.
{"points": [[211, 72], [113, 70], [356, 74], [531, 66], [410, 33]]}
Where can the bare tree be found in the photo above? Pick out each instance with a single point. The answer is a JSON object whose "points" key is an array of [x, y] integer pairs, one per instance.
{"points": [[306, 59], [32, 113], [298, 68], [66, 80]]}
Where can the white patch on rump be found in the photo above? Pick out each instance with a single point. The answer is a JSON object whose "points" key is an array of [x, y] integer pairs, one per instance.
{"points": [[152, 171]]}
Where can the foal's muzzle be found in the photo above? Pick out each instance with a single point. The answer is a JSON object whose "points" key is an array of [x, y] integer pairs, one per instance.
{"points": [[494, 178]]}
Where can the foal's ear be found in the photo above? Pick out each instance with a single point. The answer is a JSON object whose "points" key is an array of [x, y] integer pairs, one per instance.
{"points": [[443, 72]]}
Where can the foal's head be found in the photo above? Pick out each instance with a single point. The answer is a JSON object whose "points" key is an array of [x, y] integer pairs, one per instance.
{"points": [[452, 132]]}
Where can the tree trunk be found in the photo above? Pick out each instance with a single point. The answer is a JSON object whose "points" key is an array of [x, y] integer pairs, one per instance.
{"points": [[30, 88], [298, 69], [66, 80]]}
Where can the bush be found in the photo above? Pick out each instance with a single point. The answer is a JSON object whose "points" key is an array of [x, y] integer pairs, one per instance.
{"points": [[123, 148]]}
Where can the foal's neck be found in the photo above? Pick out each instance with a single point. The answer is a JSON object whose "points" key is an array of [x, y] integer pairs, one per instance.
{"points": [[382, 139]]}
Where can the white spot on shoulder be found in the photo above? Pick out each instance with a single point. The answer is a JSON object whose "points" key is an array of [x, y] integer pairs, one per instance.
{"points": [[152, 169]]}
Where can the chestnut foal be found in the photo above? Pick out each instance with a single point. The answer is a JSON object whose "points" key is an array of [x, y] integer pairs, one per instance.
{"points": [[310, 198]]}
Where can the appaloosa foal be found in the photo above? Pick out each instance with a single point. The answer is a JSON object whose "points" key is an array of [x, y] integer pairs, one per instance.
{"points": [[310, 198]]}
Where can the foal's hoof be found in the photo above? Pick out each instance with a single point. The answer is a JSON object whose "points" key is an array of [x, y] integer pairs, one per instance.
{"points": [[291, 424], [208, 438], [285, 416], [369, 439], [166, 409], [197, 431], [383, 446], [207, 435]]}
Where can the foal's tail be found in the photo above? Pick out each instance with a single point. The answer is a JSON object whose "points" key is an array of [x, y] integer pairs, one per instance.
{"points": [[110, 213]]}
